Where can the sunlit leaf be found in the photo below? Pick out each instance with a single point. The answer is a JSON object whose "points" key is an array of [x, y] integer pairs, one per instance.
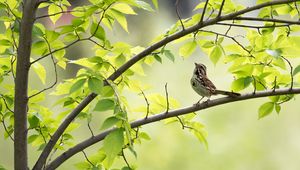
{"points": [[265, 109], [40, 70], [216, 54], [105, 104], [54, 9], [95, 85], [169, 55], [187, 49], [97, 31], [109, 122], [77, 85], [241, 83], [112, 145]]}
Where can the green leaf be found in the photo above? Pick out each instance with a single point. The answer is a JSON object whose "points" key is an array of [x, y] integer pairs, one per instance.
{"points": [[144, 135], [112, 145], [40, 70], [144, 5], [277, 108], [97, 31], [4, 42], [109, 122], [124, 8], [157, 58], [32, 138], [169, 55], [265, 109], [34, 121], [105, 104], [53, 8], [77, 85], [120, 18], [2, 167], [241, 83], [187, 49], [216, 54], [208, 44], [155, 3], [296, 70], [95, 85]]}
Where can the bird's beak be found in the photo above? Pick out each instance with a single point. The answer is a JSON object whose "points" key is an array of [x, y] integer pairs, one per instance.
{"points": [[196, 64]]}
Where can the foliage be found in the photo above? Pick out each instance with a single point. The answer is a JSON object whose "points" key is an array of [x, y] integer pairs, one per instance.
{"points": [[260, 57]]}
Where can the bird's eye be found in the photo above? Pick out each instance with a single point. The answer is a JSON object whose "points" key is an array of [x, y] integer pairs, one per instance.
{"points": [[193, 84]]}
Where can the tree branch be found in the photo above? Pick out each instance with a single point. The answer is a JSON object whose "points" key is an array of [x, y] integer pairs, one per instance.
{"points": [[157, 117], [134, 60], [268, 20]]}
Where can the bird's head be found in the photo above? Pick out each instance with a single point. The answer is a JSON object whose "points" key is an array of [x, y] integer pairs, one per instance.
{"points": [[200, 69]]}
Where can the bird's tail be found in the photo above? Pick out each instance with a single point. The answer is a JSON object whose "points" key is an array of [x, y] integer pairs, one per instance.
{"points": [[227, 93]]}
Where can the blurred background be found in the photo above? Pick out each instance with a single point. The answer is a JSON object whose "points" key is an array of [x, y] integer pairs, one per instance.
{"points": [[237, 140]]}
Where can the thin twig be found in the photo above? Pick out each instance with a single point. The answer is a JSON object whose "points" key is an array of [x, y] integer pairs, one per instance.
{"points": [[87, 159], [5, 103], [125, 160], [177, 13], [221, 8], [275, 83], [40, 131], [229, 28], [77, 40], [232, 38], [181, 122], [57, 13], [5, 128], [254, 84], [148, 104], [203, 12], [55, 71], [11, 11], [90, 129], [167, 97], [291, 71]]}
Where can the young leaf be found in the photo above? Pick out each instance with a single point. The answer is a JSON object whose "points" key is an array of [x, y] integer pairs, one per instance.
{"points": [[95, 85], [241, 83], [216, 54], [53, 9], [109, 122], [105, 104], [112, 145], [277, 108], [155, 3], [77, 85], [265, 109], [187, 49], [169, 55], [40, 70], [157, 58], [97, 31], [296, 70]]}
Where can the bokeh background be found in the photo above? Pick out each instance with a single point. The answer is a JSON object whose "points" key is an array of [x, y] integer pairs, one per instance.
{"points": [[237, 140]]}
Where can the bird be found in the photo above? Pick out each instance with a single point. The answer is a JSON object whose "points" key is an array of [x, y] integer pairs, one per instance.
{"points": [[203, 86]]}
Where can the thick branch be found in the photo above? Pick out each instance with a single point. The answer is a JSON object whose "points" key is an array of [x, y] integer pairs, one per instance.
{"points": [[140, 56], [220, 101], [21, 86]]}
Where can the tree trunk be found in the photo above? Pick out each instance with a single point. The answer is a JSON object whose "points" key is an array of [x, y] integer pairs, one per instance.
{"points": [[21, 85]]}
